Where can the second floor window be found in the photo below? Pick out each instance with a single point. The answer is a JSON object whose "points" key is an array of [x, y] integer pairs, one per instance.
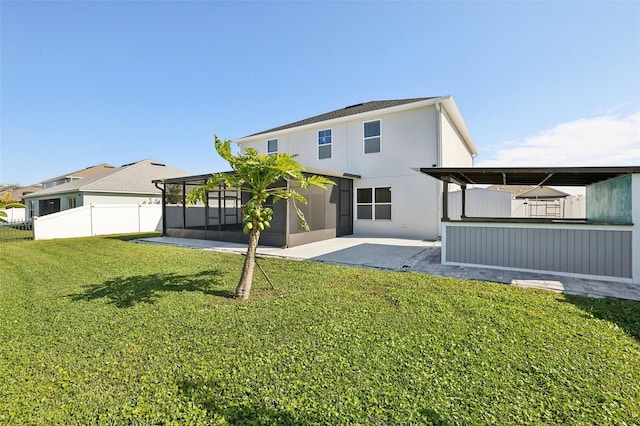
{"points": [[272, 146], [324, 144], [372, 138]]}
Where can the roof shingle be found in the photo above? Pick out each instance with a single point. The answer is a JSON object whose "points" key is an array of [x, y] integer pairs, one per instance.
{"points": [[133, 178], [344, 112]]}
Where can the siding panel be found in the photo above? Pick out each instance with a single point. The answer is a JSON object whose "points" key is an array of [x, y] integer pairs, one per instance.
{"points": [[580, 251]]}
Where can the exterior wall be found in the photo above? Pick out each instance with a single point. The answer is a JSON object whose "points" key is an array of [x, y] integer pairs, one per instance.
{"points": [[584, 250], [409, 140], [454, 150]]}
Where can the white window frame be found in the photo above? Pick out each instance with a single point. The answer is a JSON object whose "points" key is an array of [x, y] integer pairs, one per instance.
{"points": [[373, 203], [277, 146], [365, 138], [330, 144]]}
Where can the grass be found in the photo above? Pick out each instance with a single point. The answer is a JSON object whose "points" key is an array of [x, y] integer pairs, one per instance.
{"points": [[104, 331], [13, 231]]}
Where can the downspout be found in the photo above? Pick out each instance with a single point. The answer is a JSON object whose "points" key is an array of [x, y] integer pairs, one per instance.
{"points": [[164, 207], [442, 185], [439, 133]]}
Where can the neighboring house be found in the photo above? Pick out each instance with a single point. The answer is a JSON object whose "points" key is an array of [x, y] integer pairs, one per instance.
{"points": [[18, 192], [79, 174], [129, 184], [382, 144]]}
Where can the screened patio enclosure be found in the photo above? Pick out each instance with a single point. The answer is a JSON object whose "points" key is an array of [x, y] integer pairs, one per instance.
{"points": [[329, 213]]}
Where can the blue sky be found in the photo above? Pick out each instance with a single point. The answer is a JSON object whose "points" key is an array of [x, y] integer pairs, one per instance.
{"points": [[87, 82]]}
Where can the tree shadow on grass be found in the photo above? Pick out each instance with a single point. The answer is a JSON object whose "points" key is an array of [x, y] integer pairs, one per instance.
{"points": [[125, 292], [624, 313], [210, 395], [240, 413]]}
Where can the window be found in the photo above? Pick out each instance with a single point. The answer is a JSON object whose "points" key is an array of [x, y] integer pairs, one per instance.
{"points": [[272, 146], [372, 137], [374, 203], [324, 144], [72, 202]]}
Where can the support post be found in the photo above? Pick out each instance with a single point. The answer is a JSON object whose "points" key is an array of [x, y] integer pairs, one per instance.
{"points": [[464, 202], [445, 200]]}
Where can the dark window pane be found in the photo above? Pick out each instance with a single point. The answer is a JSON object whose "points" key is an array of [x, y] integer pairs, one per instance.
{"points": [[372, 128], [324, 137], [272, 145], [364, 195], [383, 195], [383, 211], [364, 212], [324, 151], [371, 145]]}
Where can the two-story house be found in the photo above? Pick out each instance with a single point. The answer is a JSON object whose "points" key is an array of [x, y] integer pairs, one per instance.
{"points": [[374, 151], [384, 143]]}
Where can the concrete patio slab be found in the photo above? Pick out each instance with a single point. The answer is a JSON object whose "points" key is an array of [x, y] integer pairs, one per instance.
{"points": [[413, 255]]}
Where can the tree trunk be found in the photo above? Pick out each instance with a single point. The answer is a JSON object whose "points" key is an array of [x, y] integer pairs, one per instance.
{"points": [[246, 279]]}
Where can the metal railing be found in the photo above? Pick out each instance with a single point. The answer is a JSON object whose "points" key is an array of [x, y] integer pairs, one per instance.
{"points": [[16, 230]]}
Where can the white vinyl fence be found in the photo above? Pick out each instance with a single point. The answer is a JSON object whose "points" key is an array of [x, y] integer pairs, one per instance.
{"points": [[480, 202], [15, 215], [99, 219]]}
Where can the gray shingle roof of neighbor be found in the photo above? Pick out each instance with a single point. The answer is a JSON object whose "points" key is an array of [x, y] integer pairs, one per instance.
{"points": [[344, 112], [134, 178]]}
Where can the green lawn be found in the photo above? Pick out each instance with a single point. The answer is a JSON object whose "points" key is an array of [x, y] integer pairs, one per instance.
{"points": [[104, 331], [14, 232]]}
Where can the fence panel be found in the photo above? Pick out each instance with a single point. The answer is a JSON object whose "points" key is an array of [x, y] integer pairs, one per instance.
{"points": [[99, 219]]}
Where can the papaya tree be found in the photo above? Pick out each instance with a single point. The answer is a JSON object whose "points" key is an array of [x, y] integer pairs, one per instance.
{"points": [[258, 175], [7, 203]]}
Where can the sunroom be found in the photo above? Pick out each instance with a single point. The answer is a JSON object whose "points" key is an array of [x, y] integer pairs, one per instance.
{"points": [[329, 213]]}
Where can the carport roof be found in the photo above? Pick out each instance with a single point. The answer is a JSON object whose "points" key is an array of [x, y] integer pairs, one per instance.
{"points": [[551, 176]]}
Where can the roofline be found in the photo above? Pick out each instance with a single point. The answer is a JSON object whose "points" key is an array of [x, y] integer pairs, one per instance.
{"points": [[455, 114], [577, 169], [99, 177], [396, 108], [309, 170], [74, 175], [85, 191], [572, 176]]}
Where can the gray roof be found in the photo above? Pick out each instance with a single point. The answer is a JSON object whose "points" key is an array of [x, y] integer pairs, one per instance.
{"points": [[134, 178], [537, 176], [344, 112]]}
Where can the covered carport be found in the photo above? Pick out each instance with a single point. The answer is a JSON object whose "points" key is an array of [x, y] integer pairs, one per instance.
{"points": [[600, 245]]}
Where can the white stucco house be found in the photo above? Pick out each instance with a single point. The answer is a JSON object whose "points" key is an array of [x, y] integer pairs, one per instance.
{"points": [[381, 145], [372, 151]]}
